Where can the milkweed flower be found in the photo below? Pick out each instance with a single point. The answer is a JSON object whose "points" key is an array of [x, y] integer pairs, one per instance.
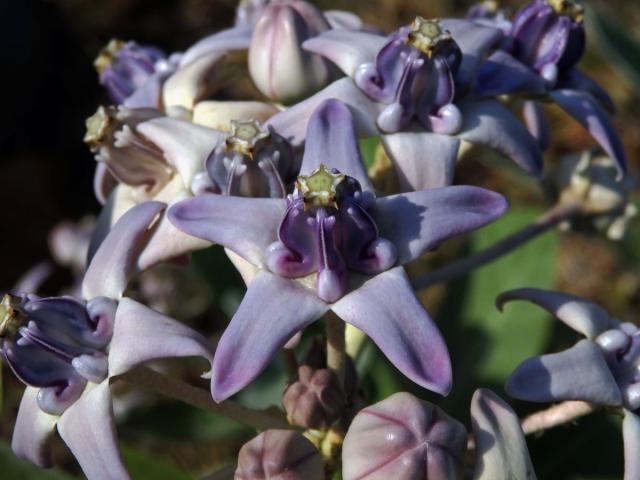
{"points": [[332, 245], [66, 351]]}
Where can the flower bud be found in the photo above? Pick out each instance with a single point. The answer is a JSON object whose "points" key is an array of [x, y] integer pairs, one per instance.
{"points": [[315, 400], [590, 180], [278, 65], [279, 455], [403, 437]]}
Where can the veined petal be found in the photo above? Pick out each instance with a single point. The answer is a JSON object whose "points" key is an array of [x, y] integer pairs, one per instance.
{"points": [[586, 110], [33, 430], [537, 123], [502, 74], [246, 226], [347, 49], [237, 38], [386, 309], [148, 95], [578, 373], [141, 334], [583, 316], [490, 123], [292, 123], [114, 263], [88, 429], [419, 221], [422, 159], [185, 146], [475, 41], [331, 139], [272, 311], [501, 450], [631, 436]]}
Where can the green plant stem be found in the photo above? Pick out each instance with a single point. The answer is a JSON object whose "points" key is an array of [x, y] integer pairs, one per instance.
{"points": [[336, 352], [555, 215], [170, 387]]}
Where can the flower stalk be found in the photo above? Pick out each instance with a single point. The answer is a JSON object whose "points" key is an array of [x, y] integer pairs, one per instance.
{"points": [[556, 415], [336, 351]]}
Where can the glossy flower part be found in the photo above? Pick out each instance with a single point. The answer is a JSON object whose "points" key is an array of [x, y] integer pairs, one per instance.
{"points": [[279, 455], [315, 399], [329, 243], [403, 438], [278, 65], [252, 162], [488, 13], [133, 74], [414, 75], [67, 351]]}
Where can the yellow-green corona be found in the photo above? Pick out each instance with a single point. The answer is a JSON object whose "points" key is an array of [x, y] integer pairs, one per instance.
{"points": [[106, 55], [98, 126], [571, 9], [10, 316], [244, 136], [428, 36], [320, 188]]}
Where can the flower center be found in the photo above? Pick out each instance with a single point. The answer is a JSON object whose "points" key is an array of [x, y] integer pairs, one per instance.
{"points": [[108, 54], [320, 188], [428, 36], [244, 137], [569, 8], [98, 126], [10, 316]]}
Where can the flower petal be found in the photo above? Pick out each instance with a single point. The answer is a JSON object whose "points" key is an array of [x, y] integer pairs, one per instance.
{"points": [[33, 430], [141, 334], [88, 429], [292, 123], [419, 221], [537, 123], [501, 450], [583, 316], [237, 38], [387, 310], [490, 123], [422, 159], [272, 311], [246, 226], [577, 80], [586, 110], [502, 74], [631, 436], [185, 146], [331, 139], [341, 19], [114, 262], [578, 373], [218, 114], [347, 49]]}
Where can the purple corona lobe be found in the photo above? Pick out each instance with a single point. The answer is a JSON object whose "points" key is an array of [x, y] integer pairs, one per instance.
{"points": [[57, 344], [621, 347], [329, 229], [414, 75]]}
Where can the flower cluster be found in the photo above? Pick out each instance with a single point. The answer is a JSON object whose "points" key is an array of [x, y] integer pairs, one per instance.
{"points": [[277, 178]]}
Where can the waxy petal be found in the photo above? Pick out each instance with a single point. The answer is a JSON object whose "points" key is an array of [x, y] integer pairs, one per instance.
{"points": [[33, 430], [331, 140], [218, 114], [292, 123], [88, 429], [264, 322], [246, 226], [237, 38], [586, 110], [142, 334], [417, 222], [502, 74], [185, 146], [578, 373], [583, 316], [631, 436], [490, 123], [387, 310], [148, 95], [114, 262], [501, 449], [347, 49], [342, 19], [422, 159], [576, 80], [537, 123]]}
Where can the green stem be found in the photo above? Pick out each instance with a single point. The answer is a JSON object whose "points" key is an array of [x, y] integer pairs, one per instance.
{"points": [[336, 353]]}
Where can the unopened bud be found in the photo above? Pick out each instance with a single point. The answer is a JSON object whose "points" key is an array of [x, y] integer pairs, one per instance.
{"points": [[279, 455], [315, 400]]}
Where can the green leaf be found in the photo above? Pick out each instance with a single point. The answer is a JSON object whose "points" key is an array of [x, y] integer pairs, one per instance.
{"points": [[143, 466], [368, 150], [14, 468], [615, 43]]}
